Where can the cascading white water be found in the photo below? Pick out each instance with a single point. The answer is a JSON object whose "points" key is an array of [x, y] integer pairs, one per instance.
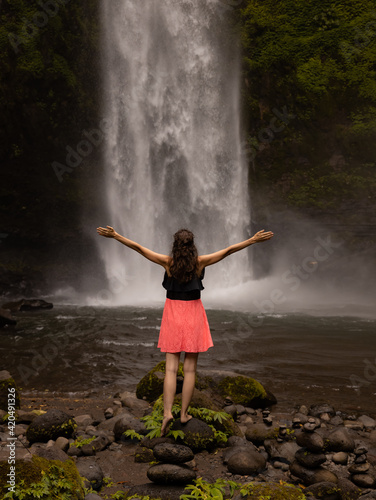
{"points": [[173, 150]]}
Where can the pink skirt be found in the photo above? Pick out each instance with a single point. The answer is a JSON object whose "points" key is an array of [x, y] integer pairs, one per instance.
{"points": [[184, 327]]}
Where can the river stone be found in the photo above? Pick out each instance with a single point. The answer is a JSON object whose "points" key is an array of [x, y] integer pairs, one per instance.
{"points": [[340, 458], [151, 442], [127, 422], [144, 455], [310, 440], [318, 410], [363, 480], [246, 462], [348, 489], [83, 420], [340, 440], [301, 472], [90, 471], [308, 459], [324, 475], [258, 433], [323, 491], [283, 452], [130, 400], [359, 468], [233, 450], [171, 474], [197, 434], [173, 453], [368, 422], [51, 425]]}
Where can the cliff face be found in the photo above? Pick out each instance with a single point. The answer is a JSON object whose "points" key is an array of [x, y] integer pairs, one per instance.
{"points": [[309, 116]]}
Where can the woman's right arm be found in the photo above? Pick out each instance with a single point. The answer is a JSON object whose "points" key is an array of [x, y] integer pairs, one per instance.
{"points": [[157, 258], [213, 258]]}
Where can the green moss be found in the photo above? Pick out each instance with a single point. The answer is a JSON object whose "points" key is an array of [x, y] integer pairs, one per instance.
{"points": [[5, 385], [150, 386], [39, 434], [276, 492], [50, 478], [242, 390]]}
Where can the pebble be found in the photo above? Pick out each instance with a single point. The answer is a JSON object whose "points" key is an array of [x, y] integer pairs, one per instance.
{"points": [[340, 458]]}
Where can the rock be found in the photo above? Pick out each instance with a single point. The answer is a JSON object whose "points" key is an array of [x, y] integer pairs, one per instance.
{"points": [[340, 458], [100, 443], [27, 305], [108, 413], [92, 496], [51, 453], [62, 443], [83, 420], [354, 425], [231, 410], [312, 441], [369, 496], [240, 409], [320, 409], [144, 455], [242, 390], [363, 480], [237, 441], [33, 467], [246, 462], [340, 440], [233, 450], [258, 433], [308, 459], [171, 474], [323, 491], [152, 490], [74, 451], [197, 434], [348, 489], [92, 472], [51, 425], [150, 443], [336, 421], [130, 400], [283, 452], [8, 386], [6, 318], [173, 453], [324, 475], [125, 423], [359, 468], [150, 386], [368, 422]]}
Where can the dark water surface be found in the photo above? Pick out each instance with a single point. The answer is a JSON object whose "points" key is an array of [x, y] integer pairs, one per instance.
{"points": [[302, 359]]}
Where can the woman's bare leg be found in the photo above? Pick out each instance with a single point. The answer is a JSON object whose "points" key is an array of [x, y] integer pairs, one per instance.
{"points": [[190, 365], [169, 388]]}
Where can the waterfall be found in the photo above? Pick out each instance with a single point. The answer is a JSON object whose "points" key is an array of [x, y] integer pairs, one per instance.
{"points": [[173, 154]]}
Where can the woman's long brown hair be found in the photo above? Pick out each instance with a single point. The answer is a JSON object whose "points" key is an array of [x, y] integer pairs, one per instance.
{"points": [[184, 256]]}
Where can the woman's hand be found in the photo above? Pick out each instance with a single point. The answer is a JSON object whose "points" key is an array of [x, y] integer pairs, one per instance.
{"points": [[108, 232], [262, 236]]}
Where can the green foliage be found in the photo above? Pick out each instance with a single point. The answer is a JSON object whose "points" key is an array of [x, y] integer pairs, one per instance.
{"points": [[131, 433], [80, 441], [225, 490], [56, 481]]}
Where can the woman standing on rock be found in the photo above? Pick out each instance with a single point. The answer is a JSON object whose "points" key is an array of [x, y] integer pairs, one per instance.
{"points": [[184, 324]]}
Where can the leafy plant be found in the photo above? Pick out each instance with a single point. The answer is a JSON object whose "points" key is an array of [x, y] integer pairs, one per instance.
{"points": [[80, 442]]}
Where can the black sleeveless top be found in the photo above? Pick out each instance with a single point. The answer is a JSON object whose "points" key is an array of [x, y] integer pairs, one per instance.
{"points": [[183, 291]]}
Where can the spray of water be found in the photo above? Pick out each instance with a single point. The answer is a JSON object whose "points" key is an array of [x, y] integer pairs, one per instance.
{"points": [[173, 156]]}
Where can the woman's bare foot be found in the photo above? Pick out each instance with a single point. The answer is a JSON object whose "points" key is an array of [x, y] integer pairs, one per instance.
{"points": [[165, 423], [185, 419]]}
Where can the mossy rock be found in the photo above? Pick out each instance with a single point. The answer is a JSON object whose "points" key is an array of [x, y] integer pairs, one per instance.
{"points": [[197, 434], [51, 425], [246, 391], [150, 386], [275, 491], [41, 472], [7, 382]]}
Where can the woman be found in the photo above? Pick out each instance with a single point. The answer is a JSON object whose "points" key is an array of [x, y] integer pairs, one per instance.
{"points": [[184, 324]]}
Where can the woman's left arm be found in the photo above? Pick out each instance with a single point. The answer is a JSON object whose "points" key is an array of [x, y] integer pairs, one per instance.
{"points": [[155, 257]]}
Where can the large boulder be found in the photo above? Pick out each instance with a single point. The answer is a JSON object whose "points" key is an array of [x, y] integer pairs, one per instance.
{"points": [[241, 390], [246, 461], [51, 425], [128, 422], [173, 453], [171, 474], [32, 471], [197, 434], [27, 305], [150, 386]]}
